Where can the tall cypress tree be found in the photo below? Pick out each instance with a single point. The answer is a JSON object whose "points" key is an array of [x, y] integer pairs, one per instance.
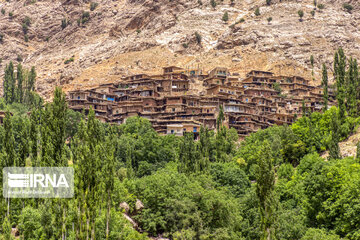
{"points": [[220, 118], [188, 156], [339, 74], [34, 136], [325, 83], [265, 182], [9, 83], [351, 83], [58, 126], [10, 157], [19, 89], [358, 150], [32, 79], [357, 83]]}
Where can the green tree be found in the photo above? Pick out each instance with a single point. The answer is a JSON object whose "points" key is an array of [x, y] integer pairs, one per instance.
{"points": [[213, 3], [9, 153], [19, 89], [269, 19], [325, 83], [339, 75], [268, 2], [348, 7], [358, 150], [352, 85], [6, 229], [58, 126], [225, 17], [220, 118], [257, 11], [189, 155], [265, 182], [301, 15], [9, 84]]}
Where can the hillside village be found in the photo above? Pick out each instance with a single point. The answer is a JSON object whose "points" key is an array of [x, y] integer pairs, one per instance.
{"points": [[180, 100]]}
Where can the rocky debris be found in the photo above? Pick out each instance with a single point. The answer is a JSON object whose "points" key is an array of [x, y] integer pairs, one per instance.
{"points": [[125, 206], [139, 205], [347, 147], [15, 232]]}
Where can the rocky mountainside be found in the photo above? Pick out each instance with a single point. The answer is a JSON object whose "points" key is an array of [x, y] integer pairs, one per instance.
{"points": [[78, 43]]}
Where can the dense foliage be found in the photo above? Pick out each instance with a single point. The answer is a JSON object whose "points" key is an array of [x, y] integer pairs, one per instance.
{"points": [[271, 185]]}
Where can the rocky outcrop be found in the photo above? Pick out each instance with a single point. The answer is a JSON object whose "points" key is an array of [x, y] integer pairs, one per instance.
{"points": [[128, 36]]}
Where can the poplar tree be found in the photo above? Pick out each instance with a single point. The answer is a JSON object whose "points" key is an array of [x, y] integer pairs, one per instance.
{"points": [[58, 126], [358, 150], [303, 108], [205, 147], [265, 182], [339, 75], [9, 83], [351, 83], [220, 118], [19, 89], [325, 83], [34, 136], [188, 156], [31, 80], [10, 157]]}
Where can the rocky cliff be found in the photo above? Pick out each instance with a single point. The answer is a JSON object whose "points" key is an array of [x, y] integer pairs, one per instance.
{"points": [[78, 43]]}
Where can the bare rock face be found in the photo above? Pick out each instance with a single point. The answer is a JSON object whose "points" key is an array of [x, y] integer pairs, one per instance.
{"points": [[123, 37]]}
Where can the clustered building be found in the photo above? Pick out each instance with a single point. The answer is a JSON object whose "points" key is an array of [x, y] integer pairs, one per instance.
{"points": [[180, 100]]}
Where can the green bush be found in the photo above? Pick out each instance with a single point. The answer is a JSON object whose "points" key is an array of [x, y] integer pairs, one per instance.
{"points": [[64, 23], [257, 11], [198, 37], [25, 28], [93, 5], [3, 11], [69, 60], [321, 6], [19, 58], [27, 21], [225, 17], [301, 14], [348, 7], [1, 38], [85, 17]]}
